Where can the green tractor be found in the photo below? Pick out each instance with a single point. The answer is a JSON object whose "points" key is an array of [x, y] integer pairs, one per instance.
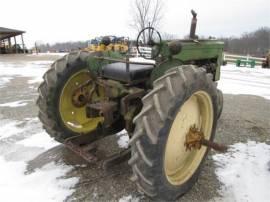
{"points": [[169, 108]]}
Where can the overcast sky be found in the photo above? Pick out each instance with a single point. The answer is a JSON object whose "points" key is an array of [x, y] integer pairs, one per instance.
{"points": [[67, 20]]}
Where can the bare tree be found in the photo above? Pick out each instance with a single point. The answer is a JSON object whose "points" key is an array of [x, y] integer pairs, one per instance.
{"points": [[146, 13], [168, 36]]}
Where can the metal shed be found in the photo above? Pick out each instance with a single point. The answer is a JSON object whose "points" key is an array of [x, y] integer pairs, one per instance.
{"points": [[7, 36]]}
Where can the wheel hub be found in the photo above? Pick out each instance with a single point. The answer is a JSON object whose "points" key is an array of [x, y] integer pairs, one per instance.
{"points": [[80, 97], [193, 138]]}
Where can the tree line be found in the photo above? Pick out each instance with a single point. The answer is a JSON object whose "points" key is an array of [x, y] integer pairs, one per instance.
{"points": [[255, 43], [62, 47]]}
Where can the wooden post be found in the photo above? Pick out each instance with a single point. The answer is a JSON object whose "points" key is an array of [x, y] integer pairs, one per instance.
{"points": [[23, 43], [15, 44], [9, 42], [36, 48]]}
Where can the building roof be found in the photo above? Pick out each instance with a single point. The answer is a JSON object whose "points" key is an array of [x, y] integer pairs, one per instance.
{"points": [[7, 33]]}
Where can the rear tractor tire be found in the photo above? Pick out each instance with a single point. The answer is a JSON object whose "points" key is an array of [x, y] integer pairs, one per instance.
{"points": [[162, 167], [58, 114]]}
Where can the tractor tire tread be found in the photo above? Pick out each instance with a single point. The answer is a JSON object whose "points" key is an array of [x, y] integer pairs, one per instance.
{"points": [[155, 112], [47, 109]]}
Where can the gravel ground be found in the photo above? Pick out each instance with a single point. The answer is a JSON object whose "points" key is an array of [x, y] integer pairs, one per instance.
{"points": [[244, 117]]}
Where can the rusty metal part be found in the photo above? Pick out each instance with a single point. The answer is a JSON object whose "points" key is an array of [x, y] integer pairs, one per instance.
{"points": [[129, 107], [214, 145], [195, 139], [103, 108], [82, 94], [125, 101], [87, 152], [117, 158]]}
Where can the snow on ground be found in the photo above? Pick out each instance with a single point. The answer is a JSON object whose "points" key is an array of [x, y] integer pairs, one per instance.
{"points": [[32, 69], [244, 172], [9, 128], [19, 144], [128, 198], [244, 80], [22, 141], [41, 139], [4, 81], [19, 103], [123, 139], [48, 53], [45, 184]]}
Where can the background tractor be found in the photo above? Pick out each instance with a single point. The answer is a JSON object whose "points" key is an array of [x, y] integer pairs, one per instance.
{"points": [[108, 43], [169, 109]]}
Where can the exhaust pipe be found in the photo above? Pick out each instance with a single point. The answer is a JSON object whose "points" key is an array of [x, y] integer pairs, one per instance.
{"points": [[193, 25]]}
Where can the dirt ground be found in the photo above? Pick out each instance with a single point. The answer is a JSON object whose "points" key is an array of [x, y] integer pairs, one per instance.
{"points": [[244, 117]]}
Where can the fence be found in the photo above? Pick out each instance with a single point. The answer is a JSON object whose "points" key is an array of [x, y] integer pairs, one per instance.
{"points": [[233, 58], [145, 51], [230, 58]]}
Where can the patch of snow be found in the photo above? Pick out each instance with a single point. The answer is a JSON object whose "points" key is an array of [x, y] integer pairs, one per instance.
{"points": [[9, 128], [48, 183], [45, 184], [41, 139], [48, 53], [244, 172], [123, 139], [35, 80], [33, 69], [128, 198], [244, 80], [19, 103], [4, 81], [41, 62]]}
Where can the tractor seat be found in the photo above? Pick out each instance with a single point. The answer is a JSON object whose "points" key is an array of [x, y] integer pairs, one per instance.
{"points": [[118, 71]]}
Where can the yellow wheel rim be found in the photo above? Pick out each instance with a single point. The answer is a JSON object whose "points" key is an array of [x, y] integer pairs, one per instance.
{"points": [[74, 118], [179, 164]]}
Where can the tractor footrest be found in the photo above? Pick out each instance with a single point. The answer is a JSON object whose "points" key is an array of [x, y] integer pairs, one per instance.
{"points": [[87, 152]]}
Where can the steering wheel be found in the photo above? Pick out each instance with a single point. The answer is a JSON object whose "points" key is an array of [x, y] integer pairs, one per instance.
{"points": [[148, 39]]}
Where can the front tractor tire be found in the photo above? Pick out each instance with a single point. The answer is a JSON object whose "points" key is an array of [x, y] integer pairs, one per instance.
{"points": [[185, 96], [60, 117]]}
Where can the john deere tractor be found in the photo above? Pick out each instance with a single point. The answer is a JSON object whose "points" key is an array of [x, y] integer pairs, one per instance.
{"points": [[169, 109]]}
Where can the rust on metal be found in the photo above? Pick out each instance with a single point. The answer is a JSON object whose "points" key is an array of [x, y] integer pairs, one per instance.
{"points": [[82, 95], [195, 139], [129, 106], [103, 108], [117, 158], [214, 145], [86, 152]]}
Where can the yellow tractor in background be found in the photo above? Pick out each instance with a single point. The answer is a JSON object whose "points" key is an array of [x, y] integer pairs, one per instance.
{"points": [[108, 43]]}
